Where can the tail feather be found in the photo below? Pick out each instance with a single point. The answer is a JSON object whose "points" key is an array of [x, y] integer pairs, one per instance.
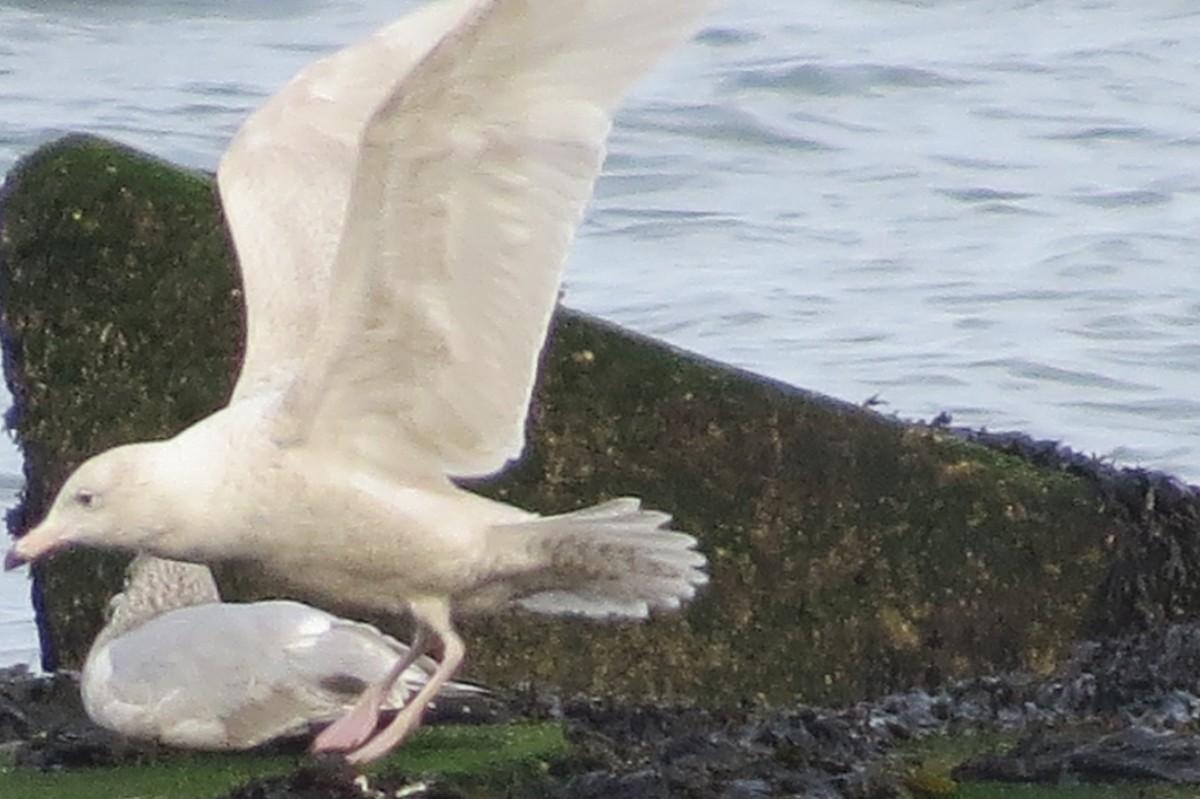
{"points": [[611, 559]]}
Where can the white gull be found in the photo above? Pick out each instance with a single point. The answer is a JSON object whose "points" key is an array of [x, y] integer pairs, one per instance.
{"points": [[402, 211], [177, 665]]}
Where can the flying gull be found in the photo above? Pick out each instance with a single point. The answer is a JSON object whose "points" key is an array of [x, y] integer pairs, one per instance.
{"points": [[402, 211]]}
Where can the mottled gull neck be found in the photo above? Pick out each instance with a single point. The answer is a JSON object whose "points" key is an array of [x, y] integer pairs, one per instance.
{"points": [[154, 586]]}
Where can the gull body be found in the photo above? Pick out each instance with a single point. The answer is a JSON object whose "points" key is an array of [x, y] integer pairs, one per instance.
{"points": [[177, 665], [220, 490], [402, 211]]}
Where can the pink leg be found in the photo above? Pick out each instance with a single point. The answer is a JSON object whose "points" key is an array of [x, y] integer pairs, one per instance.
{"points": [[433, 615], [359, 722]]}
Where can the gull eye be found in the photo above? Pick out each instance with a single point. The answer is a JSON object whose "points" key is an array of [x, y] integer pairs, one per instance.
{"points": [[85, 498]]}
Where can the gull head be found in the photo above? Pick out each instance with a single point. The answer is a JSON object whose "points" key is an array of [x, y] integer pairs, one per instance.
{"points": [[109, 501]]}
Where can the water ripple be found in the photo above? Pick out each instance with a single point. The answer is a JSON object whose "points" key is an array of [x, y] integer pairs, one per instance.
{"points": [[857, 79], [1082, 378], [1104, 133], [1123, 199], [720, 124]]}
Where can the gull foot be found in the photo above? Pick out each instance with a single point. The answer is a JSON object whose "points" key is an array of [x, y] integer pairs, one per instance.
{"points": [[349, 731], [389, 738]]}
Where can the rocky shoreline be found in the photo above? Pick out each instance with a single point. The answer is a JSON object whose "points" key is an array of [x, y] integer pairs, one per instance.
{"points": [[1120, 709]]}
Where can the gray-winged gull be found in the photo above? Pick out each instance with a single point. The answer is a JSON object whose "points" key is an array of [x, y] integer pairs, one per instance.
{"points": [[402, 211], [176, 664]]}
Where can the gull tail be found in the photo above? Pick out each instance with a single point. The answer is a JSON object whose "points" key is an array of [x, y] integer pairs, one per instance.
{"points": [[609, 560]]}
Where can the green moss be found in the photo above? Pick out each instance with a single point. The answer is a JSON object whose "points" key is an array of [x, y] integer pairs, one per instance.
{"points": [[851, 553], [185, 777], [122, 321], [474, 756], [471, 750]]}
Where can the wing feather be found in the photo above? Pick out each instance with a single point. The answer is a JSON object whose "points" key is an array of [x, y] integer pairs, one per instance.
{"points": [[286, 178], [471, 179]]}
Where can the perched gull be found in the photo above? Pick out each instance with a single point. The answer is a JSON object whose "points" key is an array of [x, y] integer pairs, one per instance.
{"points": [[402, 211], [176, 664]]}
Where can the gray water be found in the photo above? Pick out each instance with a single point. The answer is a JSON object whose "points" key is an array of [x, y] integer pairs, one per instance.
{"points": [[984, 208]]}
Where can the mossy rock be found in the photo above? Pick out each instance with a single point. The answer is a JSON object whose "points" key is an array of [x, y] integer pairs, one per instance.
{"points": [[850, 553]]}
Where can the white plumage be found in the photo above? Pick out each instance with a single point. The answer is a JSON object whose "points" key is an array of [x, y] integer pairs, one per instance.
{"points": [[402, 211], [177, 665]]}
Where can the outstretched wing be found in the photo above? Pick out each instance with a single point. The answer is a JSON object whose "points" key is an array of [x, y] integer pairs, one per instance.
{"points": [[286, 178], [471, 179]]}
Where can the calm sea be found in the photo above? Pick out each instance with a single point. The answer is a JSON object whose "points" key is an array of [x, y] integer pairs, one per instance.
{"points": [[985, 208]]}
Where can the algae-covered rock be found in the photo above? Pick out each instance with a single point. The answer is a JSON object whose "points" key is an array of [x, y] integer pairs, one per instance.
{"points": [[122, 321], [850, 553]]}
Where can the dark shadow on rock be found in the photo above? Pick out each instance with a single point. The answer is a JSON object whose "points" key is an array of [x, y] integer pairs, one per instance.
{"points": [[638, 749], [1137, 754], [43, 725], [316, 782]]}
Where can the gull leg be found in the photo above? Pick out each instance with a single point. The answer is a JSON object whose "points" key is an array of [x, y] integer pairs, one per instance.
{"points": [[433, 615], [359, 722]]}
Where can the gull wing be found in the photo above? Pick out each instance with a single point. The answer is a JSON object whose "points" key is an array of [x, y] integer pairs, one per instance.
{"points": [[285, 181], [471, 179]]}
